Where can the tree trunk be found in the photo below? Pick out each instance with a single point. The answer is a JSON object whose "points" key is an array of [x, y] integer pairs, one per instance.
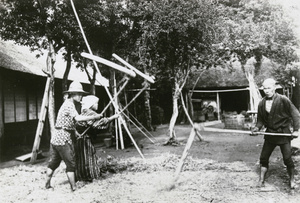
{"points": [[50, 67], [92, 83], [175, 98], [190, 102], [66, 74], [147, 107], [179, 83], [91, 79]]}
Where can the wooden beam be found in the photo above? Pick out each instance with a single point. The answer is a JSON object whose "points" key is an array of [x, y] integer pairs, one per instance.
{"points": [[1, 115], [109, 63]]}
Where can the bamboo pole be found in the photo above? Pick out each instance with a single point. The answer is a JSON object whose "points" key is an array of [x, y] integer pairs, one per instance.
{"points": [[40, 126], [115, 96]]}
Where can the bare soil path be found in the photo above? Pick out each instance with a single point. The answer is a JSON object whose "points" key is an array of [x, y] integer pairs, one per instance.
{"points": [[223, 168]]}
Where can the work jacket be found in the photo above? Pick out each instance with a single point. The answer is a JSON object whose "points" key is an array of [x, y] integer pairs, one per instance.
{"points": [[283, 117]]}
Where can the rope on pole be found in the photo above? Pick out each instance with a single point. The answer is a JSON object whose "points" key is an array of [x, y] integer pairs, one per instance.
{"points": [[136, 120], [146, 77], [138, 128]]}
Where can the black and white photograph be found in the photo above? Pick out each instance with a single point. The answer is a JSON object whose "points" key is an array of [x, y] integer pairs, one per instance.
{"points": [[150, 101]]}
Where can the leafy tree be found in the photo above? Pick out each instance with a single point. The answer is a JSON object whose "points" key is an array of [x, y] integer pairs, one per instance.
{"points": [[43, 24], [256, 29], [173, 37]]}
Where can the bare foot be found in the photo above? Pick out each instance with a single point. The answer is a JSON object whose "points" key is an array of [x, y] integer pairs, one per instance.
{"points": [[261, 184], [293, 185]]}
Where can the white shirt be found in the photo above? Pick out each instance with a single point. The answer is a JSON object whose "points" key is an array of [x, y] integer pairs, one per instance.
{"points": [[269, 105]]}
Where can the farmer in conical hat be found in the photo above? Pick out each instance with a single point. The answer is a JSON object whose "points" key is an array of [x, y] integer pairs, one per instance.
{"points": [[88, 167], [62, 147], [278, 114]]}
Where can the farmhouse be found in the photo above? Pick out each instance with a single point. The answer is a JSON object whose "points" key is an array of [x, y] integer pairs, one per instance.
{"points": [[227, 90], [22, 84]]}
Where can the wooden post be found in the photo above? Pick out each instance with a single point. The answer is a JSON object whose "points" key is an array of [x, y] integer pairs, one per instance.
{"points": [[116, 134], [118, 124], [1, 118], [127, 110], [218, 106], [42, 117], [114, 95]]}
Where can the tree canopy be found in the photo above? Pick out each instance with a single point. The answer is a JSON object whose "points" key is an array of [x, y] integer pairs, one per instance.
{"points": [[257, 29], [165, 38]]}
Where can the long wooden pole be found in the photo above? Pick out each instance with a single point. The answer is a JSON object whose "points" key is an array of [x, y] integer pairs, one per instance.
{"points": [[183, 157], [189, 118], [109, 63], [246, 132], [195, 131], [39, 129], [185, 153]]}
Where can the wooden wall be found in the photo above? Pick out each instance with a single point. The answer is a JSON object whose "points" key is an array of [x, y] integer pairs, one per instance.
{"points": [[21, 97]]}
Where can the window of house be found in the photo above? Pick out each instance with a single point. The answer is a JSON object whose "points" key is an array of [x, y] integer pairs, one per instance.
{"points": [[9, 104], [32, 105], [21, 101]]}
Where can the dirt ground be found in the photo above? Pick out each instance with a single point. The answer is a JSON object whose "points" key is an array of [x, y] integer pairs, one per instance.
{"points": [[223, 168]]}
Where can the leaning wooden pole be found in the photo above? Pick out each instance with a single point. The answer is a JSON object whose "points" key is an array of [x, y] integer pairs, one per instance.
{"points": [[190, 120], [42, 117], [183, 157], [185, 153], [195, 131]]}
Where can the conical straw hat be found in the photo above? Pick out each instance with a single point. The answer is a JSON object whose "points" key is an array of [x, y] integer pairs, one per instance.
{"points": [[75, 87]]}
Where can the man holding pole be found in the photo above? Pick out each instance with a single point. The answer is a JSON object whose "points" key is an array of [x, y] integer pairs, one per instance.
{"points": [[277, 114]]}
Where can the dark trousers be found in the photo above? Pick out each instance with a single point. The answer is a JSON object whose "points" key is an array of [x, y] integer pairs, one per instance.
{"points": [[62, 152], [286, 151]]}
